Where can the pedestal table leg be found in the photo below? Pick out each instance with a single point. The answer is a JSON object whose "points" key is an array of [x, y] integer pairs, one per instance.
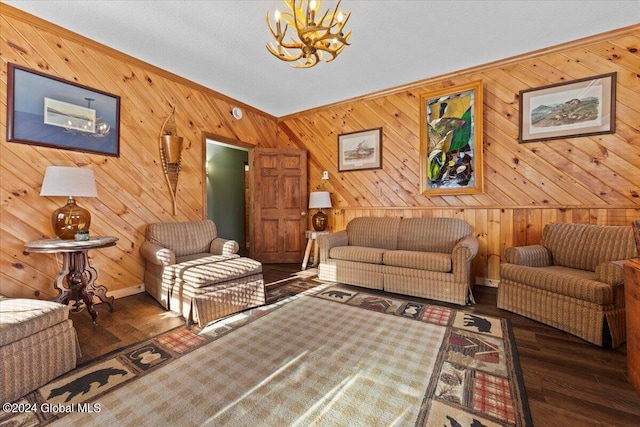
{"points": [[91, 275], [63, 293]]}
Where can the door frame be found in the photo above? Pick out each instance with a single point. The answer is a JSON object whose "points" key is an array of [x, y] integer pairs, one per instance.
{"points": [[237, 143]]}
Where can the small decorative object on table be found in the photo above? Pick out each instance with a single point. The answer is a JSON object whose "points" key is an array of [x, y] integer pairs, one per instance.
{"points": [[82, 235]]}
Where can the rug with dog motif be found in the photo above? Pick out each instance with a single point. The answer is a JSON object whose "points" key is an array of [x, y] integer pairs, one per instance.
{"points": [[329, 355]]}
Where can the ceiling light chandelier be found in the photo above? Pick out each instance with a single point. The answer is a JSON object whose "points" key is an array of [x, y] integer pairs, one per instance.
{"points": [[317, 39]]}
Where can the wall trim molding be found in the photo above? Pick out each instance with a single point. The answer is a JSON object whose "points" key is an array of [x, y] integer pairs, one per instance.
{"points": [[340, 210], [596, 38], [483, 281]]}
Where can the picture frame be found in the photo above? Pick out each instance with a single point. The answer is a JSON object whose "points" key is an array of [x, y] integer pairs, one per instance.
{"points": [[451, 141], [580, 107], [51, 112], [360, 150]]}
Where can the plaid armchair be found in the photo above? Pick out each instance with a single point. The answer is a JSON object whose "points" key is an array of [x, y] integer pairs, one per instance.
{"points": [[169, 245], [573, 280]]}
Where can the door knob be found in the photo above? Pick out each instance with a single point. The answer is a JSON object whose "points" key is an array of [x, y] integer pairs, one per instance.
{"points": [[303, 214]]}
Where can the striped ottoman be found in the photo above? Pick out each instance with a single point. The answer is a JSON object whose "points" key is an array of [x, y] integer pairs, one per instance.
{"points": [[207, 291], [37, 343]]}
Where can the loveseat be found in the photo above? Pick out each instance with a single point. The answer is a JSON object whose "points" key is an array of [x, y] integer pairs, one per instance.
{"points": [[423, 257], [37, 344], [193, 272], [573, 280]]}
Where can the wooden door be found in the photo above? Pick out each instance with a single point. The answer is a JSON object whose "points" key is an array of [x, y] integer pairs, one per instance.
{"points": [[279, 205]]}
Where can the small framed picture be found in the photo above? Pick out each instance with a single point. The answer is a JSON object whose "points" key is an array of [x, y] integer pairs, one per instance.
{"points": [[360, 150], [566, 110]]}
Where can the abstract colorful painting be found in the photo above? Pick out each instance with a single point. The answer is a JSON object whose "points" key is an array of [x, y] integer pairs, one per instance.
{"points": [[451, 141]]}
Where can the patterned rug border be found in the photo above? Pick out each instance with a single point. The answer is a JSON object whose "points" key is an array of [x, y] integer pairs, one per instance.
{"points": [[522, 411], [121, 366]]}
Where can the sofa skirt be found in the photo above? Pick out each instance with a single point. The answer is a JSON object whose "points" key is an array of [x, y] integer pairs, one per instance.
{"points": [[581, 318], [419, 283]]}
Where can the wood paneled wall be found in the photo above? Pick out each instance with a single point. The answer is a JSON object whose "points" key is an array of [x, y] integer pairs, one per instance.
{"points": [[586, 180], [594, 179], [131, 188]]}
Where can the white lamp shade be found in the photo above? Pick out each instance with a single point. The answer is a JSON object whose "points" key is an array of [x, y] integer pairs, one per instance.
{"points": [[319, 200], [68, 181]]}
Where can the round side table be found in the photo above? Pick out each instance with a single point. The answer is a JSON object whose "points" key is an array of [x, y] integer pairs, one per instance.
{"points": [[76, 280]]}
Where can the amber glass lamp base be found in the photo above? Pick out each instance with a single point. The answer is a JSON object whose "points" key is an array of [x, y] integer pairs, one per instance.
{"points": [[69, 219], [319, 221]]}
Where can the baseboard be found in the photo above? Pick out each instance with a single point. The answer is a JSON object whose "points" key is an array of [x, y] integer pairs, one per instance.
{"points": [[483, 281], [126, 292]]}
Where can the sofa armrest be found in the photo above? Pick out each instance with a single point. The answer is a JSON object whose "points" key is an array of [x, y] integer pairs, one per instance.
{"points": [[466, 249], [220, 246], [331, 240], [611, 272], [530, 256], [157, 254], [463, 253]]}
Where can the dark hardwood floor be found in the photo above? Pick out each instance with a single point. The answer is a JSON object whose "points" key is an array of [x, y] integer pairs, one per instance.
{"points": [[568, 382]]}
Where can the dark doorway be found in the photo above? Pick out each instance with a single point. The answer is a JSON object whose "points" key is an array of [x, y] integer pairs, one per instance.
{"points": [[227, 191]]}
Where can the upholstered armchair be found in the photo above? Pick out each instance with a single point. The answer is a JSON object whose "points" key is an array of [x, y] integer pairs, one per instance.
{"points": [[573, 280], [169, 244]]}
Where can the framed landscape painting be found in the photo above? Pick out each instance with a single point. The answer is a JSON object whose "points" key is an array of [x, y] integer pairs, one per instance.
{"points": [[577, 108], [451, 141], [360, 150], [51, 112]]}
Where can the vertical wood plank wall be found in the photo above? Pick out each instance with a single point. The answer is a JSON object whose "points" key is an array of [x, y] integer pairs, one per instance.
{"points": [[584, 180], [131, 188]]}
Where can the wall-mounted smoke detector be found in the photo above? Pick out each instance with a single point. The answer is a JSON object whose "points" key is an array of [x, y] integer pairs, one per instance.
{"points": [[237, 113]]}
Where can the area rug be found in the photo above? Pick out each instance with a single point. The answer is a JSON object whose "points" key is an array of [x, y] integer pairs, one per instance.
{"points": [[331, 355]]}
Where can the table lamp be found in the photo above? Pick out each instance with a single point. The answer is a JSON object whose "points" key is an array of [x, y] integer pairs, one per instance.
{"points": [[319, 200], [69, 182]]}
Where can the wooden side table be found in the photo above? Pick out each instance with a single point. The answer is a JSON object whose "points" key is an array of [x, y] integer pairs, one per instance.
{"points": [[632, 311], [312, 236], [77, 273]]}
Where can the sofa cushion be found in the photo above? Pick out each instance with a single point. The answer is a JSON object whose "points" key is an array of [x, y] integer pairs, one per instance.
{"points": [[430, 261], [357, 254], [217, 271], [580, 284], [22, 317], [584, 246], [373, 232], [431, 234], [199, 258]]}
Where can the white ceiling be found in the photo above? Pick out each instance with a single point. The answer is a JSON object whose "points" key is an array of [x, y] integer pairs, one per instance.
{"points": [[220, 44]]}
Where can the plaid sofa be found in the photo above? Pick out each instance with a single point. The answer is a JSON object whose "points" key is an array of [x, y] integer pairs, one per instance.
{"points": [[573, 280], [424, 257], [37, 344]]}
